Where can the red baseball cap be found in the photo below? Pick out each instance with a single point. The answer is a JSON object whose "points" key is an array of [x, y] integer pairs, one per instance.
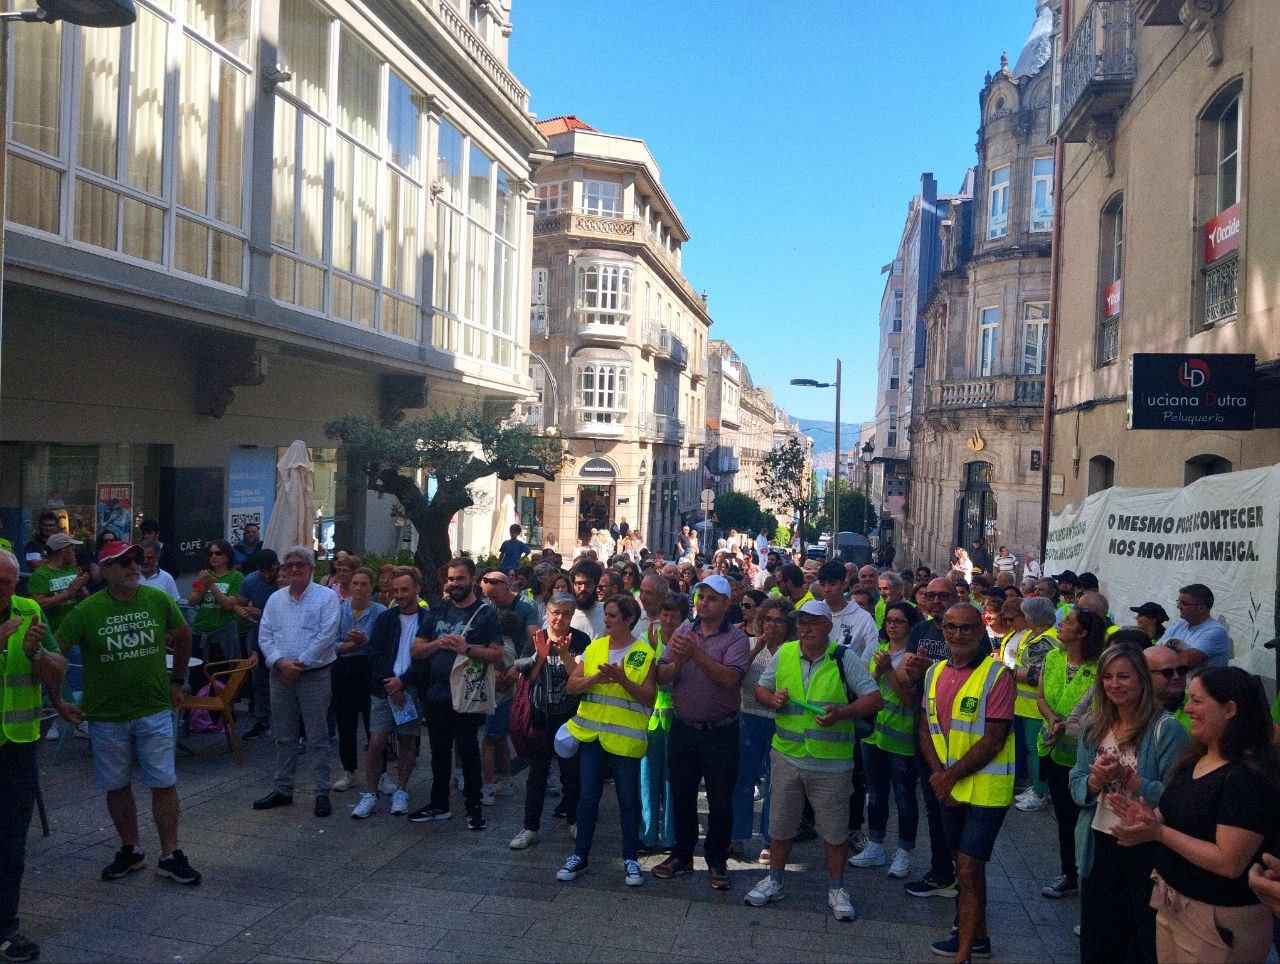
{"points": [[115, 550]]}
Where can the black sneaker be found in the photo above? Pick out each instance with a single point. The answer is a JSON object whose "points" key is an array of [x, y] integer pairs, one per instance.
{"points": [[561, 812], [475, 821], [18, 948], [931, 886], [948, 947], [1062, 886], [429, 813], [256, 732], [175, 867], [128, 859]]}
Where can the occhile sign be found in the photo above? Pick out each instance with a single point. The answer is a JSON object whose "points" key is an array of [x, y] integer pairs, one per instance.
{"points": [[1191, 392]]}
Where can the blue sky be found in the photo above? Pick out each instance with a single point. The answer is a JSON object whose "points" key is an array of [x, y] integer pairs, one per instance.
{"points": [[791, 137]]}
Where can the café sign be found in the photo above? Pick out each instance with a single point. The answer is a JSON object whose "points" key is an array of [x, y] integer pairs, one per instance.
{"points": [[1191, 392]]}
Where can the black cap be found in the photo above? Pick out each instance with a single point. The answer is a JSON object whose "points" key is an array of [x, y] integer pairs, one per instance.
{"points": [[1153, 610], [1066, 576], [1086, 580]]}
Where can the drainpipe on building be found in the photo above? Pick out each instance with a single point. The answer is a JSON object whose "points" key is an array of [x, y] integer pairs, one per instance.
{"points": [[1055, 281]]}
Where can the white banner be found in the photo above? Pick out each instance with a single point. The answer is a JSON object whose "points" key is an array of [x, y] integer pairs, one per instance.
{"points": [[1144, 544]]}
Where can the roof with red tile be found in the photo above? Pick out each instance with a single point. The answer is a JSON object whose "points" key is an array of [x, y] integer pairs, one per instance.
{"points": [[562, 125]]}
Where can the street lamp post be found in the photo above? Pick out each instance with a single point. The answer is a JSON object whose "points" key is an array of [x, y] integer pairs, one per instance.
{"points": [[867, 450], [835, 491]]}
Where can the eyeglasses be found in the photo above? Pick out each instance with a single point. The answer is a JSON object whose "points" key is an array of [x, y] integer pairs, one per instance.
{"points": [[780, 620], [896, 622], [938, 595], [293, 566], [964, 629], [1173, 671], [494, 582], [216, 552]]}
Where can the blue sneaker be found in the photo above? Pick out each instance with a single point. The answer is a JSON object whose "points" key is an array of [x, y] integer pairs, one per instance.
{"points": [[572, 868], [948, 947]]}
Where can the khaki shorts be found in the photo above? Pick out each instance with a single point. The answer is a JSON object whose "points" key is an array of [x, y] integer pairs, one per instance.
{"points": [[827, 793]]}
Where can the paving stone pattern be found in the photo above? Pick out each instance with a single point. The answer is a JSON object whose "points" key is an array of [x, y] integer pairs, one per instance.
{"points": [[282, 885]]}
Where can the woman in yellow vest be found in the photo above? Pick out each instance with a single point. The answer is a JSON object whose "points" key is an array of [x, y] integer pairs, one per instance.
{"points": [[617, 685], [1028, 665]]}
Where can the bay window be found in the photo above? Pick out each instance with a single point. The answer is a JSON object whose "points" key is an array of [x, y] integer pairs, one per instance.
{"points": [[600, 390], [602, 198], [604, 294], [552, 197], [988, 341]]}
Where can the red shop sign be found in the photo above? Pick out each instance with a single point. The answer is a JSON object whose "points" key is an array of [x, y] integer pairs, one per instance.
{"points": [[1113, 298], [1222, 234]]}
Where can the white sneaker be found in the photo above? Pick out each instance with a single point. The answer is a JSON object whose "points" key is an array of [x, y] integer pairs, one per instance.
{"points": [[901, 864], [1033, 803], [365, 807], [841, 906], [634, 876], [504, 788], [872, 855], [400, 802], [81, 731], [386, 785], [52, 732], [487, 797], [524, 840], [764, 892], [344, 782]]}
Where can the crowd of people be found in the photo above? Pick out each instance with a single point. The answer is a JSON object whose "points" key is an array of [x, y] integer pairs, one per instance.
{"points": [[806, 699]]}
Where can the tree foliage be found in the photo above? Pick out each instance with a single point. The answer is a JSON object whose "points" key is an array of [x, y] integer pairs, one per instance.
{"points": [[784, 478], [855, 515], [737, 510], [454, 448]]}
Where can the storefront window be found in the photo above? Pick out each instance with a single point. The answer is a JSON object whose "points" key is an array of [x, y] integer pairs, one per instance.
{"points": [[91, 486], [530, 504]]}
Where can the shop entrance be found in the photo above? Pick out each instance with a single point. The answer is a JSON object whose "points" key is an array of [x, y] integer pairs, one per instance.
{"points": [[976, 522], [595, 506]]}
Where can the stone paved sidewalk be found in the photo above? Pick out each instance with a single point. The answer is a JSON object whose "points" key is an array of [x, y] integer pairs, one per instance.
{"points": [[284, 886]]}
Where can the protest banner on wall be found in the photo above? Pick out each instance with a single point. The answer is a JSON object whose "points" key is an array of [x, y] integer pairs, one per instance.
{"points": [[1144, 544]]}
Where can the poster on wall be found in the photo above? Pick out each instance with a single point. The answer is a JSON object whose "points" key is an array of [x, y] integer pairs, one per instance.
{"points": [[251, 489], [114, 511], [191, 514], [1145, 544]]}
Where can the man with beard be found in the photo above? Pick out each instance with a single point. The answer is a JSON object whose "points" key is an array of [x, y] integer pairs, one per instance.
{"points": [[128, 703], [588, 617], [462, 624]]}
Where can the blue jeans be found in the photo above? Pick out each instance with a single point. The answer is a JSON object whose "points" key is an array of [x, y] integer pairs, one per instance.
{"points": [[754, 740], [655, 794], [1025, 732], [593, 759], [885, 769]]}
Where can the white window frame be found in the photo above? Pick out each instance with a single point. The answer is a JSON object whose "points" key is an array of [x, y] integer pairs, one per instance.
{"points": [[896, 323], [540, 286], [601, 389], [1041, 185], [895, 369], [601, 199], [608, 300], [998, 202], [552, 197], [1227, 153], [891, 436], [1035, 337], [988, 340]]}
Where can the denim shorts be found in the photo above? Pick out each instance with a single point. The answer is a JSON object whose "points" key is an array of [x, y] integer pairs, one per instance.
{"points": [[147, 741], [381, 719], [499, 724], [972, 830]]}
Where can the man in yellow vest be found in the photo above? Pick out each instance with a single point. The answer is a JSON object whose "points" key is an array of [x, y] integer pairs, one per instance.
{"points": [[816, 697], [965, 735], [29, 657]]}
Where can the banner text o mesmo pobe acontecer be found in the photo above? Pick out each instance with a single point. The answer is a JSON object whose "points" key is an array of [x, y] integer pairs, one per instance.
{"points": [[1144, 544]]}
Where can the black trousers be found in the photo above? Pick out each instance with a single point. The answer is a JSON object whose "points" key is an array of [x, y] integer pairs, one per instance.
{"points": [[447, 729], [350, 702], [941, 865], [1065, 811], [858, 798], [694, 757], [1117, 922], [19, 777], [541, 757]]}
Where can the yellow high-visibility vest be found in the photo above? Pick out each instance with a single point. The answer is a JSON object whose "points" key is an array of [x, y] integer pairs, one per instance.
{"points": [[992, 786]]}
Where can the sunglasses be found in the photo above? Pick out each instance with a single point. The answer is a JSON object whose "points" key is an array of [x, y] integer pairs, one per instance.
{"points": [[494, 582], [293, 566], [216, 552], [1174, 671]]}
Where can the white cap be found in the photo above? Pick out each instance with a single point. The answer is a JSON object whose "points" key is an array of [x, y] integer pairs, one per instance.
{"points": [[716, 584], [815, 607]]}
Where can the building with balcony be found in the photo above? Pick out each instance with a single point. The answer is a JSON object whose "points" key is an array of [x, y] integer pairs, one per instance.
{"points": [[618, 341], [740, 422], [976, 428], [1171, 180], [237, 219]]}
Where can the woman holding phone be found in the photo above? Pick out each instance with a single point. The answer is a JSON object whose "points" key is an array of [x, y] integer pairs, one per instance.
{"points": [[617, 684], [350, 672]]}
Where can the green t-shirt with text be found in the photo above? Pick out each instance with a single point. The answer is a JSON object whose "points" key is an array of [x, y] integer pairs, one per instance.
{"points": [[47, 581], [211, 617], [122, 647]]}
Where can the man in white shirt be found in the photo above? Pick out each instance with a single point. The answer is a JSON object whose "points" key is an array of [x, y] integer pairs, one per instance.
{"points": [[1005, 562], [851, 625], [298, 636], [152, 574], [762, 545], [1030, 567], [588, 614]]}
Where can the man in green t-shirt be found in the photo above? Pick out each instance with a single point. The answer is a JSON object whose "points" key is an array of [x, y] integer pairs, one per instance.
{"points": [[57, 585], [129, 696]]}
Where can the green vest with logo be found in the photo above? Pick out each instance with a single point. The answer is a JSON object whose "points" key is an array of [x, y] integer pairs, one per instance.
{"points": [[798, 733], [895, 724], [1025, 702], [20, 698], [992, 786], [1062, 698]]}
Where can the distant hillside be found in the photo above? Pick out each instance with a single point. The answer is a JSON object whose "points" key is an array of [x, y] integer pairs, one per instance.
{"points": [[824, 436]]}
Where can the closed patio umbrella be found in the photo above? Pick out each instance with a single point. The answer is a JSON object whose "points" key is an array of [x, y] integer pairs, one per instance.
{"points": [[293, 518]]}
